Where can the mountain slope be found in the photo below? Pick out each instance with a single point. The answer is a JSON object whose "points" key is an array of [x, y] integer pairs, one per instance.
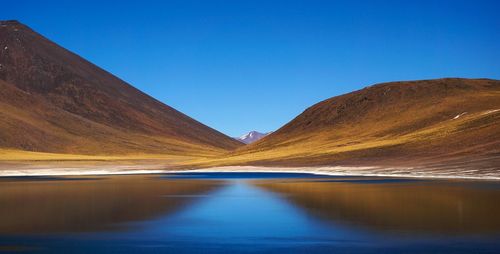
{"points": [[252, 137], [52, 100], [432, 122]]}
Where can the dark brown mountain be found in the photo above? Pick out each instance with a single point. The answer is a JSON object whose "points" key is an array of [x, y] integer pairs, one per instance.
{"points": [[52, 100]]}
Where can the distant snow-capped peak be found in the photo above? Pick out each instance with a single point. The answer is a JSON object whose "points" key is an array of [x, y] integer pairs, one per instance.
{"points": [[252, 137]]}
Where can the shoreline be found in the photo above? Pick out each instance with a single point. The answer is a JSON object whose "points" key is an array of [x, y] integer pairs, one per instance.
{"points": [[423, 173], [337, 171]]}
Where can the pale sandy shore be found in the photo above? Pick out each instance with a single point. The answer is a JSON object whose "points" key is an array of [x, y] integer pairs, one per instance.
{"points": [[68, 168], [158, 168], [82, 170], [362, 171]]}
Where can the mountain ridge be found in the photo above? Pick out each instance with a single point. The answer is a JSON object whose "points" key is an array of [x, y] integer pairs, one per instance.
{"points": [[75, 92], [409, 124]]}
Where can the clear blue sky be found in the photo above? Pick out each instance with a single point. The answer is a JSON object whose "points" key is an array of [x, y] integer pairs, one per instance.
{"points": [[254, 65]]}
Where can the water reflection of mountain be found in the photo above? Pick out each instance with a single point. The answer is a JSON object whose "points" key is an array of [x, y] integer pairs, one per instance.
{"points": [[83, 205], [424, 207]]}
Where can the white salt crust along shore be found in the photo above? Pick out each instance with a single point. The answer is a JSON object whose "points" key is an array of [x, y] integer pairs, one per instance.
{"points": [[330, 171], [357, 171], [47, 170]]}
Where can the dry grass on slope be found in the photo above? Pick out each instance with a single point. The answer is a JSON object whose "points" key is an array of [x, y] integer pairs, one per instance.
{"points": [[31, 123], [403, 123]]}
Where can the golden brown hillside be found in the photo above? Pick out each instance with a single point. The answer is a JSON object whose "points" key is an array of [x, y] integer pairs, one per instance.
{"points": [[52, 100], [446, 122]]}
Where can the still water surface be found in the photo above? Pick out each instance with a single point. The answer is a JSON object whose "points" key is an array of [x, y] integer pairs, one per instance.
{"points": [[246, 213]]}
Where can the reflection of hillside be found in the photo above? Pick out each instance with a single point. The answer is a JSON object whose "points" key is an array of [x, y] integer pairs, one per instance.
{"points": [[89, 205], [434, 207]]}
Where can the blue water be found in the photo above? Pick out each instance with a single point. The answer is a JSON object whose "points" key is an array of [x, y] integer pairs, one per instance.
{"points": [[241, 217], [243, 175]]}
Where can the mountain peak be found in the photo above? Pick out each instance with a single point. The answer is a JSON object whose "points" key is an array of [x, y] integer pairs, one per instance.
{"points": [[252, 136], [9, 22], [69, 105]]}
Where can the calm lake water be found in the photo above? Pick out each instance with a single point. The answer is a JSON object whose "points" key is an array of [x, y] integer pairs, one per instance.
{"points": [[246, 213]]}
